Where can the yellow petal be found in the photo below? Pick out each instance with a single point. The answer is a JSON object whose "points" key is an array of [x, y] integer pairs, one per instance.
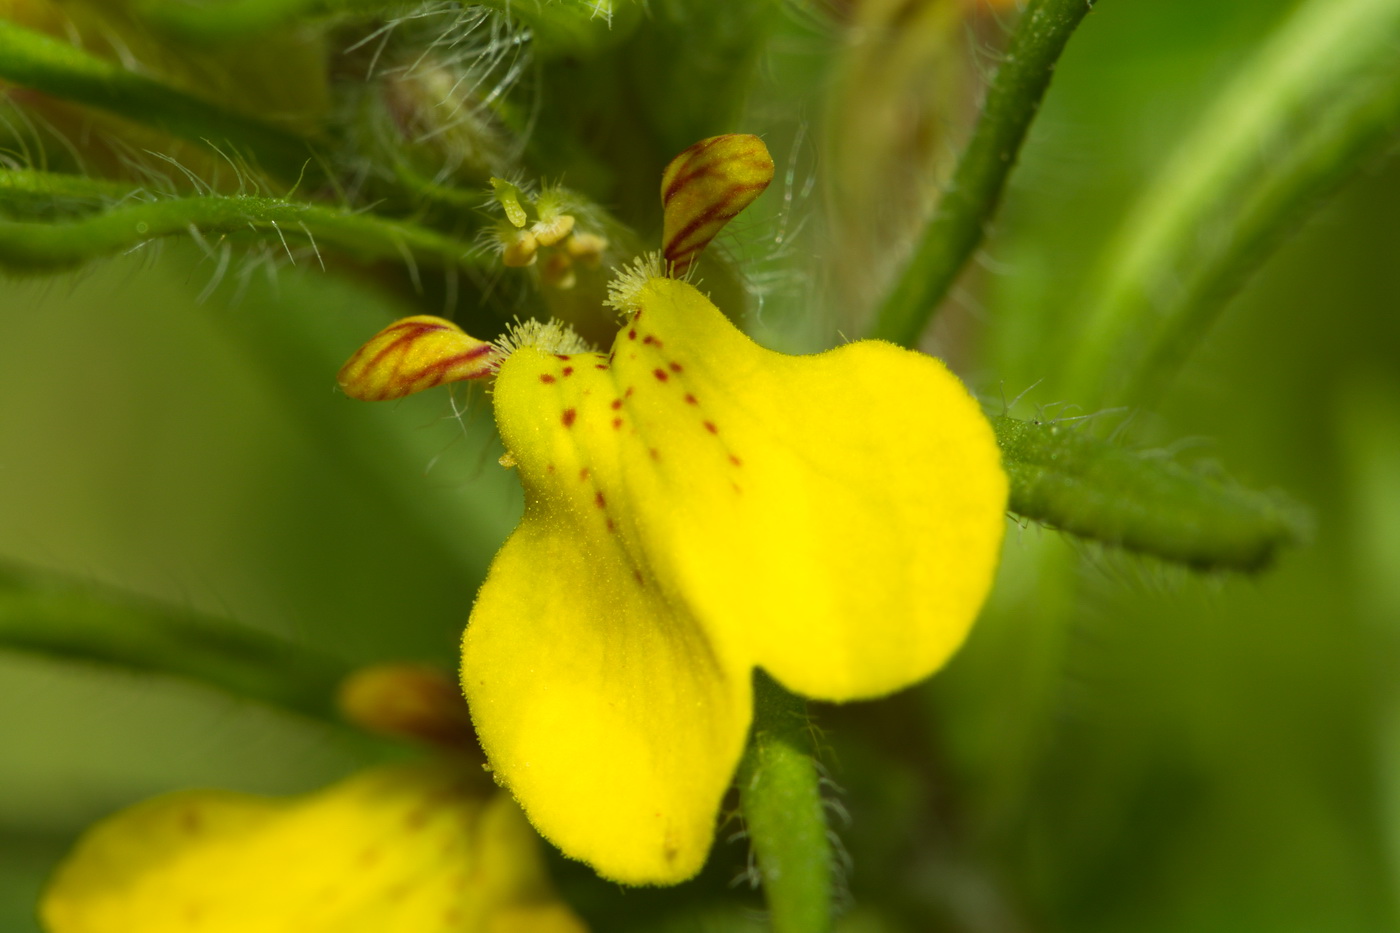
{"points": [[697, 505], [406, 849], [596, 698]]}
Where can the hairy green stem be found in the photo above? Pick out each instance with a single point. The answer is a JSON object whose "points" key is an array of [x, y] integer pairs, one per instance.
{"points": [[558, 26], [1319, 101], [782, 807], [34, 60], [46, 615], [963, 214], [1078, 483], [27, 246]]}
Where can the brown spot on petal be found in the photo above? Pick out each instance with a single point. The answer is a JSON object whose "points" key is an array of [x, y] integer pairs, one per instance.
{"points": [[583, 474], [568, 417], [546, 377], [660, 374], [568, 370], [599, 501], [690, 399], [675, 367], [632, 334], [617, 423], [735, 460], [710, 426], [616, 404]]}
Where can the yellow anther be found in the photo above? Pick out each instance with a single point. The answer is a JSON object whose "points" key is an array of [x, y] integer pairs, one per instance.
{"points": [[558, 271], [587, 248], [521, 249], [551, 231]]}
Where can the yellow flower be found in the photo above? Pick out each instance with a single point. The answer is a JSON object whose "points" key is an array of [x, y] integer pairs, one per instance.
{"points": [[402, 849], [697, 506]]}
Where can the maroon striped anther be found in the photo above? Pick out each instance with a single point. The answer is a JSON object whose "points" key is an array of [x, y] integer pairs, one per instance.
{"points": [[414, 354], [704, 187]]}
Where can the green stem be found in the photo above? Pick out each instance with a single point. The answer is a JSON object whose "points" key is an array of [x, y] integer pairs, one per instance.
{"points": [[1313, 106], [558, 26], [29, 246], [960, 222], [45, 615], [782, 806], [37, 61]]}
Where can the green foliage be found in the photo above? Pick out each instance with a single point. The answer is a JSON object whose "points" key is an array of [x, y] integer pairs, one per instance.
{"points": [[1065, 477], [1114, 748]]}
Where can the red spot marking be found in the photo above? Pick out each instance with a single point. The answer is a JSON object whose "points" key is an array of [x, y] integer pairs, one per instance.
{"points": [[562, 356], [690, 399], [598, 501], [612, 526], [735, 460], [546, 377], [710, 426], [660, 374], [636, 316], [653, 340], [637, 575], [583, 474], [632, 334], [655, 454], [617, 423], [569, 416], [568, 370], [675, 367], [617, 403], [549, 468], [601, 365], [628, 393]]}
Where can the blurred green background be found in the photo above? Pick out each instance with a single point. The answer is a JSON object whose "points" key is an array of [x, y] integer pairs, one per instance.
{"points": [[1121, 745]]}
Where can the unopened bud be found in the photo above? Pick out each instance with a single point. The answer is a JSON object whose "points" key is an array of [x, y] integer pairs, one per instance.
{"points": [[408, 701]]}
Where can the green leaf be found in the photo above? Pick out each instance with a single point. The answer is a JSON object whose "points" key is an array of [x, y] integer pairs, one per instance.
{"points": [[48, 615], [1073, 481], [1317, 103]]}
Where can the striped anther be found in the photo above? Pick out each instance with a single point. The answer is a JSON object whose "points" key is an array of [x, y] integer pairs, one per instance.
{"points": [[704, 187], [414, 354]]}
